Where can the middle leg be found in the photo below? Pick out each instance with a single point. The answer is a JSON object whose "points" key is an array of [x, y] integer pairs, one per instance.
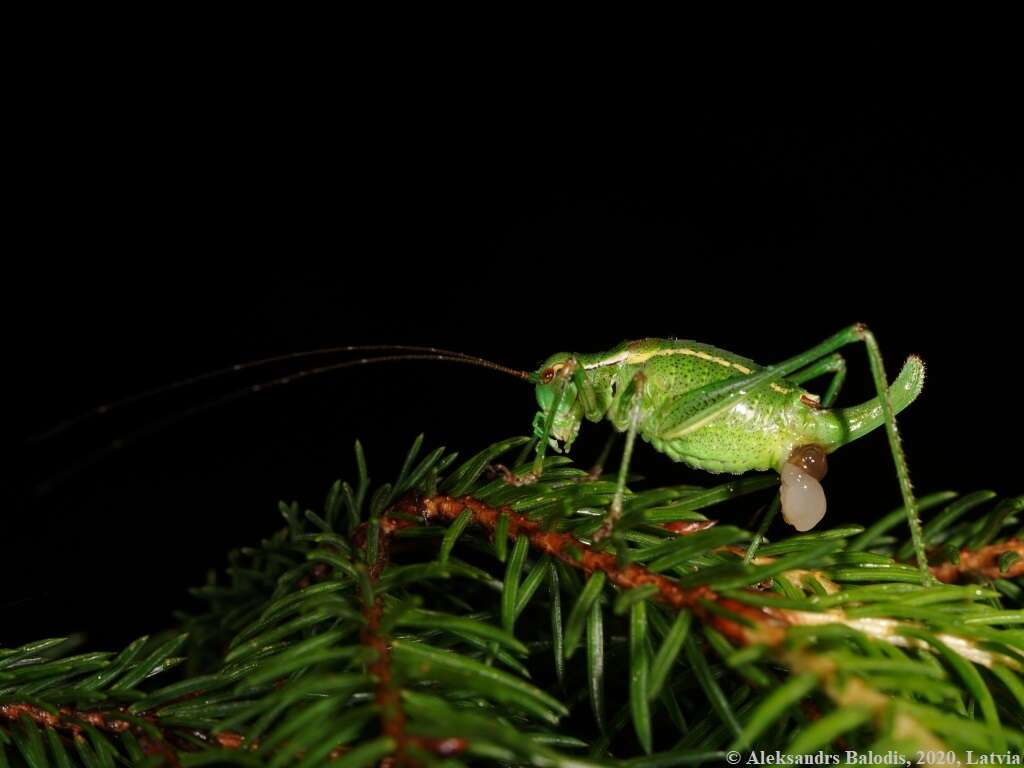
{"points": [[615, 510]]}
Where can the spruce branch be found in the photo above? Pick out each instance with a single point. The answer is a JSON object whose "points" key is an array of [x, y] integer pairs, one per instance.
{"points": [[406, 624], [744, 624]]}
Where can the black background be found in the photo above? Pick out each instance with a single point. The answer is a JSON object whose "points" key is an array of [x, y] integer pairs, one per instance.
{"points": [[169, 233]]}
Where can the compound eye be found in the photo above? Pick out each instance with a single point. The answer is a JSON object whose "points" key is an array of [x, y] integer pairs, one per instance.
{"points": [[548, 374], [811, 460]]}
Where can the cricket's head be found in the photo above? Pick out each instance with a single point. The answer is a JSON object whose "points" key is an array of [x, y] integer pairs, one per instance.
{"points": [[559, 401]]}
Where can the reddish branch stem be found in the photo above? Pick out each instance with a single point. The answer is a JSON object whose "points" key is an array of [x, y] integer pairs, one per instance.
{"points": [[740, 622], [72, 722], [389, 697], [982, 562]]}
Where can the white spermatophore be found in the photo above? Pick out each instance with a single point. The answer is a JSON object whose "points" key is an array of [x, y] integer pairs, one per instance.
{"points": [[803, 498]]}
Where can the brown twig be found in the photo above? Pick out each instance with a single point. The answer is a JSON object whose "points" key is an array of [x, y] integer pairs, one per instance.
{"points": [[388, 695], [982, 562], [740, 622], [67, 719], [73, 721]]}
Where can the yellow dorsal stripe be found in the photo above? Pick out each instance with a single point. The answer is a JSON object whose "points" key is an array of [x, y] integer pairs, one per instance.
{"points": [[635, 358]]}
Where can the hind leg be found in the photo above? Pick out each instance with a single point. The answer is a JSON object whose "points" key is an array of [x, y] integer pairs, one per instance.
{"points": [[701, 406], [834, 364]]}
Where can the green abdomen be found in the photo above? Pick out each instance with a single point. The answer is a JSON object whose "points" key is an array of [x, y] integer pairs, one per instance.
{"points": [[753, 435], [757, 433]]}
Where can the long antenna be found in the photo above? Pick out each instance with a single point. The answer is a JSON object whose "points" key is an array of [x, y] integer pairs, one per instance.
{"points": [[118, 443], [428, 353]]}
